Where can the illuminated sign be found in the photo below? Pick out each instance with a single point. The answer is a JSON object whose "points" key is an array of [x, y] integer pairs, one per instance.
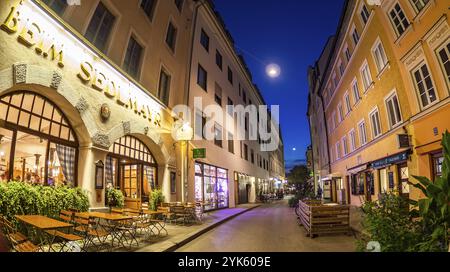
{"points": [[37, 30]]}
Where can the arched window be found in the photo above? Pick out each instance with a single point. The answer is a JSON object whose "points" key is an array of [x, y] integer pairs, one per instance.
{"points": [[37, 143], [131, 167]]}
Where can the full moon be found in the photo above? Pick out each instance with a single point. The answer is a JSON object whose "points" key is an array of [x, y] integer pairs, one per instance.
{"points": [[273, 70]]}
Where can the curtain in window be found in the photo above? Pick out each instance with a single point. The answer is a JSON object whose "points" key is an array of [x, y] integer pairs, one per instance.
{"points": [[66, 156]]}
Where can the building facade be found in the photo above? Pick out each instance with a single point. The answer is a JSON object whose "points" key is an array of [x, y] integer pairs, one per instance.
{"points": [[385, 93], [88, 95], [235, 169]]}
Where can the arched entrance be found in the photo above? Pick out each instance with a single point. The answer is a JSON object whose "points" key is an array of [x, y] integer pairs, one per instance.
{"points": [[131, 167], [37, 142]]}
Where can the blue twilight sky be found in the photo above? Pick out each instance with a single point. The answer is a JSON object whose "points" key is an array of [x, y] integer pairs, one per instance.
{"points": [[291, 33]]}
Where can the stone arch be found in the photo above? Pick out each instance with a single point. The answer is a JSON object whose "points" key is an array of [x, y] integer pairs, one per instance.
{"points": [[51, 84]]}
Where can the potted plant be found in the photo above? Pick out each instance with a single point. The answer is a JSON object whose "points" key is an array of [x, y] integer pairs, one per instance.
{"points": [[156, 199], [114, 198]]}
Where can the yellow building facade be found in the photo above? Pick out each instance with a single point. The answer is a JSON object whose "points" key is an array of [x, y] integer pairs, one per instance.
{"points": [[385, 95]]}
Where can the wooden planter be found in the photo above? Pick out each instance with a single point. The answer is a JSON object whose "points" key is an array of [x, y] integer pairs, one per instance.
{"points": [[321, 219]]}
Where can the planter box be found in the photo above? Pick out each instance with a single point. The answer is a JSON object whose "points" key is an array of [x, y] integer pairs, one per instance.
{"points": [[319, 219]]}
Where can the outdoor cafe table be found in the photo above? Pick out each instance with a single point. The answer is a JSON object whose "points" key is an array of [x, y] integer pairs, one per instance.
{"points": [[43, 224], [109, 217]]}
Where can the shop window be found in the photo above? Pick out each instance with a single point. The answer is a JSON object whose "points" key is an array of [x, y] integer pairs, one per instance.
{"points": [[44, 144], [437, 160], [211, 186], [100, 27], [358, 184]]}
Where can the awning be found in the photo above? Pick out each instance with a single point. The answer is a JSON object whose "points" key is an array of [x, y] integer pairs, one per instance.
{"points": [[357, 169]]}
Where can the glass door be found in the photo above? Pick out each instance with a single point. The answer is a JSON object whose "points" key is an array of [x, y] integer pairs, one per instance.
{"points": [[130, 174], [222, 188]]}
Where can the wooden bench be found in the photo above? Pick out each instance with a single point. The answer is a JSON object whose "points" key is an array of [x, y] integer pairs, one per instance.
{"points": [[319, 219]]}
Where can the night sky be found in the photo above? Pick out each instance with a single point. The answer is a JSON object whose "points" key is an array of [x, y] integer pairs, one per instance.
{"points": [[291, 33]]}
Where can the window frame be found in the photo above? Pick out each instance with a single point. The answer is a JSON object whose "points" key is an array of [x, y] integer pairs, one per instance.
{"points": [[418, 67], [398, 34], [362, 140], [365, 66], [199, 69], [376, 47], [375, 127], [387, 99]]}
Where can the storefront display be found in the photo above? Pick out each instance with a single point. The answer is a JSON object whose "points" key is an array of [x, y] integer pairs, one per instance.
{"points": [[211, 186]]}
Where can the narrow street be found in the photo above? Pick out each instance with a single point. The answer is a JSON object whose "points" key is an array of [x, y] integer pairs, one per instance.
{"points": [[269, 228]]}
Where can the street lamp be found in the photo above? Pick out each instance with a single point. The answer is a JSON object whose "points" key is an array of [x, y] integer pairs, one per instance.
{"points": [[183, 133]]}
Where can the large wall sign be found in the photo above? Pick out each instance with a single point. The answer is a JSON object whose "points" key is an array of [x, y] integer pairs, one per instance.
{"points": [[36, 30]]}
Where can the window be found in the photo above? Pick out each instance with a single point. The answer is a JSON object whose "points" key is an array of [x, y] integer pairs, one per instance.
{"points": [[230, 143], [375, 121], [341, 69], [132, 60], [37, 143], [333, 120], [219, 60], [345, 145], [444, 58], [398, 19], [244, 95], [340, 112], [355, 90], [362, 133], [352, 140], [218, 95], [149, 8], [338, 150], [348, 55], [424, 85], [204, 40], [202, 78], [438, 161], [347, 102], [379, 56], [164, 87], [171, 38], [252, 156], [366, 77], [58, 6], [179, 4], [365, 14], [218, 135], [100, 27], [355, 36], [393, 110], [419, 4], [246, 152], [230, 75], [335, 80], [230, 109]]}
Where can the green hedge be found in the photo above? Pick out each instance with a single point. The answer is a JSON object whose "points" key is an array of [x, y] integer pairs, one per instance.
{"points": [[21, 198]]}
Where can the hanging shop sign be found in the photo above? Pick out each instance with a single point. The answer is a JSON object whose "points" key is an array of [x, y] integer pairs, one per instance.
{"points": [[47, 37], [401, 157], [200, 153]]}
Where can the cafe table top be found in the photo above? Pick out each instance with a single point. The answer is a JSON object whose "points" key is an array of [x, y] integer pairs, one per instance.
{"points": [[43, 222], [106, 216]]}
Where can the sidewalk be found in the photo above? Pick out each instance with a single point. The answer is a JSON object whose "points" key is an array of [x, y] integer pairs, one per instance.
{"points": [[180, 235]]}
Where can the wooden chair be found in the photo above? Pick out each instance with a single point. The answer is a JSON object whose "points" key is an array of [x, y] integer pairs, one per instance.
{"points": [[11, 233], [65, 238], [91, 231], [17, 241]]}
